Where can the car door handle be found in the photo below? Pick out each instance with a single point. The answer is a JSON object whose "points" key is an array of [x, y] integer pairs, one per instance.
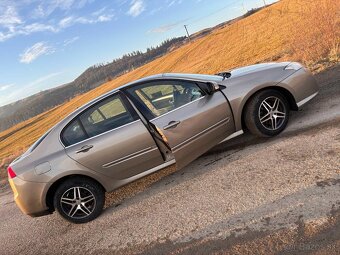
{"points": [[85, 148], [172, 124]]}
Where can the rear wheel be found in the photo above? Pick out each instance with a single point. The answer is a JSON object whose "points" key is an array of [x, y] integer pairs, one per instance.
{"points": [[79, 200], [267, 113]]}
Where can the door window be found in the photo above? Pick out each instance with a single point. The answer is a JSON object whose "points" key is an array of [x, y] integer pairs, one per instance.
{"points": [[106, 115], [109, 114], [159, 98]]}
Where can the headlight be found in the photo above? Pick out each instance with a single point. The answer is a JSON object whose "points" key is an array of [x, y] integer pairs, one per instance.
{"points": [[293, 66]]}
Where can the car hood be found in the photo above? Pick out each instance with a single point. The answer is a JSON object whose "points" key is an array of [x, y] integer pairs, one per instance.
{"points": [[260, 75], [256, 68]]}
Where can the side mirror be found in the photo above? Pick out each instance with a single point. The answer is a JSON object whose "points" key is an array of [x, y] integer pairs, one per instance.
{"points": [[212, 87]]}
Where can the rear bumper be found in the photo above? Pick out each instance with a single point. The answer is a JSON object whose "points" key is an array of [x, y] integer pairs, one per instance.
{"points": [[29, 196]]}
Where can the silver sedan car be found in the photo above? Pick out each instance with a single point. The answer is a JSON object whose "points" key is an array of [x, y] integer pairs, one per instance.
{"points": [[147, 125]]}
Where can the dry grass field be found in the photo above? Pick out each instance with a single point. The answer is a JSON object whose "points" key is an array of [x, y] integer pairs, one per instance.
{"points": [[297, 30]]}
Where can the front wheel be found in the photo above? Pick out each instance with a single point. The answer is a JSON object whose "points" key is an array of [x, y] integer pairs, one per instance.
{"points": [[267, 113], [79, 200]]}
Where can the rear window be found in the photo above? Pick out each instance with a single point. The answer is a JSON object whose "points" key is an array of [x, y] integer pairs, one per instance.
{"points": [[106, 115], [109, 114], [73, 133]]}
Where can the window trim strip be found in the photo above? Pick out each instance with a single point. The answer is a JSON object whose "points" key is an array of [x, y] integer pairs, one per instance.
{"points": [[128, 157]]}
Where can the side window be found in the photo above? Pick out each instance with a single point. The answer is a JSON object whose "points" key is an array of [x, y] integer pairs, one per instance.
{"points": [[162, 97], [73, 133], [106, 115]]}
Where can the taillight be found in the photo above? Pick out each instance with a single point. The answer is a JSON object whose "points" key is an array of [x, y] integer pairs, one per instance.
{"points": [[11, 173]]}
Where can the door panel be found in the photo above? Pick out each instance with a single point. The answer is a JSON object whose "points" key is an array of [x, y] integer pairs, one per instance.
{"points": [[203, 123], [189, 120], [120, 153], [109, 138]]}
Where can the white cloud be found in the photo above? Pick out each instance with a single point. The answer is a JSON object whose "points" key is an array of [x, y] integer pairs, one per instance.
{"points": [[5, 36], [66, 22], [26, 30], [43, 48], [37, 27], [72, 20], [63, 4], [32, 87], [4, 87], [38, 12], [42, 79], [46, 8], [9, 17], [37, 50], [165, 28], [70, 41], [104, 18], [38, 20], [173, 2], [136, 8], [152, 12], [23, 29], [99, 12]]}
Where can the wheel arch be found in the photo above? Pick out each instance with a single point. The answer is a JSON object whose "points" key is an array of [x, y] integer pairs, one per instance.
{"points": [[285, 92], [53, 188]]}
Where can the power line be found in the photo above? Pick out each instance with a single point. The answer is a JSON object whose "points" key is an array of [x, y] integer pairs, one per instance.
{"points": [[228, 6], [215, 12]]}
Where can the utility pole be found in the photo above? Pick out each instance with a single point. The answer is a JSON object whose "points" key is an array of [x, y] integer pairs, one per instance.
{"points": [[185, 26], [264, 1]]}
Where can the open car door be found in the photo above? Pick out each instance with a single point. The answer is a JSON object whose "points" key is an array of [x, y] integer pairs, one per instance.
{"points": [[189, 120]]}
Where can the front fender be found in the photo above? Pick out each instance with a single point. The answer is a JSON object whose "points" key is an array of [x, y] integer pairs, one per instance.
{"points": [[238, 90]]}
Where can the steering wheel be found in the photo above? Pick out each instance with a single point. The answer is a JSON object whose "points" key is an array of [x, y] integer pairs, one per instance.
{"points": [[188, 91]]}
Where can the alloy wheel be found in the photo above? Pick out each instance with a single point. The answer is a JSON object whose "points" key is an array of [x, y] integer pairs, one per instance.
{"points": [[272, 113], [78, 202]]}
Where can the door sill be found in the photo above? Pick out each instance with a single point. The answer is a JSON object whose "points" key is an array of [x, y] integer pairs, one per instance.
{"points": [[147, 172]]}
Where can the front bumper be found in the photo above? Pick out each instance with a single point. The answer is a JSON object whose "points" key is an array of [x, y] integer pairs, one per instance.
{"points": [[302, 85], [29, 196]]}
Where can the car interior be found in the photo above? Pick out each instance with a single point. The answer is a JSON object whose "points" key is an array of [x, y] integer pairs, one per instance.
{"points": [[162, 98]]}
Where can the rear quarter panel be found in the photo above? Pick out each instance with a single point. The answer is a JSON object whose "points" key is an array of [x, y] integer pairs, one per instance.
{"points": [[51, 151]]}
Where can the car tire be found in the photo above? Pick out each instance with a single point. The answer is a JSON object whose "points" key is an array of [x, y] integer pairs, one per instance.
{"points": [[267, 113], [79, 200]]}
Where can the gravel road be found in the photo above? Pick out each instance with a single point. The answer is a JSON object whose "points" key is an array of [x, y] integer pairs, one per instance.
{"points": [[247, 196]]}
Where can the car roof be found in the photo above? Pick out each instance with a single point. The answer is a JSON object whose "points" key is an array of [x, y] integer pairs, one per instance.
{"points": [[176, 76]]}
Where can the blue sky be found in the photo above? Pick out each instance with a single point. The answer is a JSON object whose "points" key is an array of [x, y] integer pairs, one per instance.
{"points": [[44, 44]]}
